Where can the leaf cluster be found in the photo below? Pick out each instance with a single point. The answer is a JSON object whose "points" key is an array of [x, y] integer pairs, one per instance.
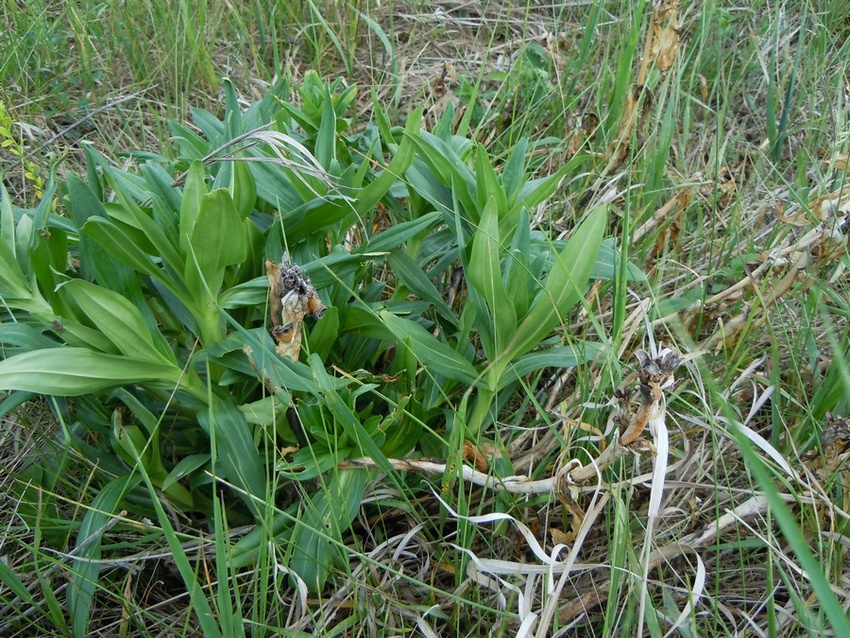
{"points": [[142, 310]]}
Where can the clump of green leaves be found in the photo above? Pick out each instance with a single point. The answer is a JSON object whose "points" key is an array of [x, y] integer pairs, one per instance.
{"points": [[142, 312]]}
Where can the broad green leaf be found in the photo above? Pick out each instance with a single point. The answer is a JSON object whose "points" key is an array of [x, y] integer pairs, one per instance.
{"points": [[101, 258], [489, 188], [13, 284], [120, 321], [130, 443], [25, 336], [326, 137], [252, 293], [484, 274], [444, 161], [273, 185], [48, 261], [150, 235], [78, 335], [128, 184], [14, 400], [184, 468], [317, 538], [236, 452], [7, 219], [519, 279], [397, 234], [513, 173], [160, 183], [536, 191], [423, 182], [191, 145], [74, 371], [315, 216], [564, 285], [43, 217], [232, 110], [121, 247], [85, 570], [218, 240], [143, 443], [23, 239], [382, 119], [190, 206], [223, 175], [84, 205], [266, 411], [562, 357], [209, 124], [433, 353], [324, 334], [371, 194], [258, 346], [243, 188], [93, 161], [345, 416], [310, 462], [410, 274]]}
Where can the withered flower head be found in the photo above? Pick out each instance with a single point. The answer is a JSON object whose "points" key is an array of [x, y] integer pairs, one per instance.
{"points": [[291, 297]]}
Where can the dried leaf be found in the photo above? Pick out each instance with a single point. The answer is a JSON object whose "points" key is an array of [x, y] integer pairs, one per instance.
{"points": [[662, 38], [474, 455]]}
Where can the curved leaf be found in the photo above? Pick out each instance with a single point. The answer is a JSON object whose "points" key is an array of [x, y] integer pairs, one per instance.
{"points": [[218, 240], [564, 286], [120, 321], [236, 451], [76, 371], [432, 352], [484, 273], [86, 566], [568, 356]]}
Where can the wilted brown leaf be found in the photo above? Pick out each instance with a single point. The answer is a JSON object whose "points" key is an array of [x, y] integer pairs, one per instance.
{"points": [[662, 38]]}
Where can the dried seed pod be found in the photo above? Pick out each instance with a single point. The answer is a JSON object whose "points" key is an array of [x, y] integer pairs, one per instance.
{"points": [[291, 298]]}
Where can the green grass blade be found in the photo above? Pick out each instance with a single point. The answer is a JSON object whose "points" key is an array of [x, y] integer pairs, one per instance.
{"points": [[795, 537], [199, 601]]}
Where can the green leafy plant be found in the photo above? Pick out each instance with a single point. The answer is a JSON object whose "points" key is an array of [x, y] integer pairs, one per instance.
{"points": [[143, 312]]}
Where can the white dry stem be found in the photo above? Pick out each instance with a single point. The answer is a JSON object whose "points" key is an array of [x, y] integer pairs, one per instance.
{"points": [[552, 604], [298, 613], [658, 429], [483, 570]]}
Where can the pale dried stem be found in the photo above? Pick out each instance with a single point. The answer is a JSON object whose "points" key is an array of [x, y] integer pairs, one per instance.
{"points": [[654, 375]]}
